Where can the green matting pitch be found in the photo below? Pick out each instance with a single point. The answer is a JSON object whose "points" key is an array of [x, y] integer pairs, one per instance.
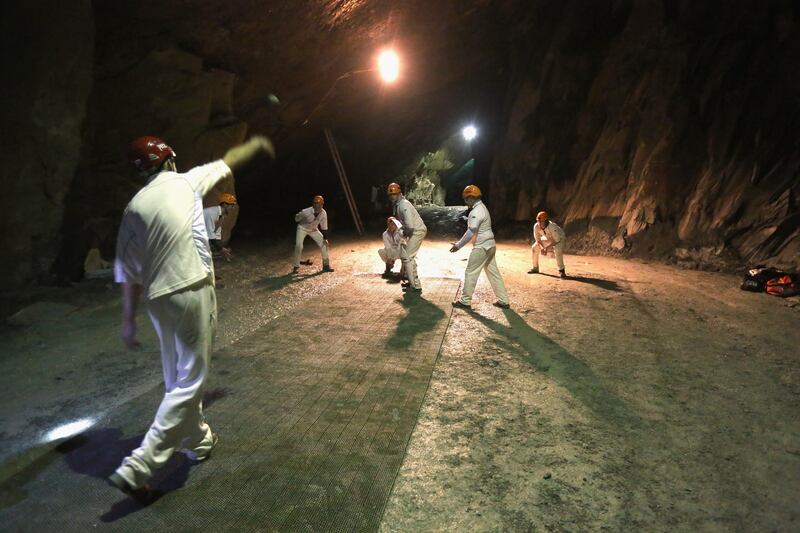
{"points": [[314, 412]]}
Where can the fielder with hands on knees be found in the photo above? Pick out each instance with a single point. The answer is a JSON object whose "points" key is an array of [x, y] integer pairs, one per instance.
{"points": [[392, 243], [312, 222], [482, 256], [414, 231], [547, 236]]}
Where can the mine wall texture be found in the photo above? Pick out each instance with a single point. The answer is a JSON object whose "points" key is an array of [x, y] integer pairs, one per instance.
{"points": [[48, 52], [657, 129]]}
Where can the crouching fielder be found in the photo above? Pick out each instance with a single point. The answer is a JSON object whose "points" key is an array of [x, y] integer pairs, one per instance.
{"points": [[547, 236], [482, 256], [392, 240], [312, 222], [414, 231]]}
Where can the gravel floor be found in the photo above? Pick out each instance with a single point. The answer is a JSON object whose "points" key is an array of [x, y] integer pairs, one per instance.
{"points": [[634, 396]]}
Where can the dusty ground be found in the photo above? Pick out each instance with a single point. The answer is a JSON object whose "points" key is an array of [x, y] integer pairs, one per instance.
{"points": [[637, 397], [632, 397]]}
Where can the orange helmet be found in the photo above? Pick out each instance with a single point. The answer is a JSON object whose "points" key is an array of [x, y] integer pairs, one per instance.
{"points": [[542, 215], [471, 190], [393, 188], [319, 199], [227, 198]]}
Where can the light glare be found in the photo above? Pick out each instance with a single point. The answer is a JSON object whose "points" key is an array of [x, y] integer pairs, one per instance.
{"points": [[68, 430], [469, 132], [389, 66]]}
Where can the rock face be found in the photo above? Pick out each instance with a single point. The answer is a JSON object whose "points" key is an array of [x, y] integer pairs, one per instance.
{"points": [[167, 92], [48, 78], [658, 129], [201, 78], [651, 128]]}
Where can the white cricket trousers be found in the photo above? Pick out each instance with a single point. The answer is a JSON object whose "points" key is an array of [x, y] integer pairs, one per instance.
{"points": [[390, 258], [316, 234], [558, 249], [185, 322], [483, 259], [408, 255]]}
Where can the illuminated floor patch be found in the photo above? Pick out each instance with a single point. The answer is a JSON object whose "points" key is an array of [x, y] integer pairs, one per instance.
{"points": [[314, 411]]}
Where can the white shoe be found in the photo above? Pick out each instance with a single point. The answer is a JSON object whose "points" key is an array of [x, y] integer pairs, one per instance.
{"points": [[205, 455]]}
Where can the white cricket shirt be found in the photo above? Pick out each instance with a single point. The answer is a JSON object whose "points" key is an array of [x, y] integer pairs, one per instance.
{"points": [[162, 242], [311, 221]]}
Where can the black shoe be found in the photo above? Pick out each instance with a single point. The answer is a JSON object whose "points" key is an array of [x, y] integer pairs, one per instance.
{"points": [[460, 305], [409, 288], [387, 274], [295, 270], [327, 268], [144, 495], [501, 305], [533, 271], [562, 274]]}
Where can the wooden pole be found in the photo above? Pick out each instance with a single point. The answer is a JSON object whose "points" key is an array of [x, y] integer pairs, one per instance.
{"points": [[348, 193]]}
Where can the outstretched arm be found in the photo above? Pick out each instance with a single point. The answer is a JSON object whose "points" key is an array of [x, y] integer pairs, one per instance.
{"points": [[238, 156], [204, 177]]}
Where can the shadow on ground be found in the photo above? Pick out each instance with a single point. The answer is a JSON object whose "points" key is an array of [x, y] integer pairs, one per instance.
{"points": [[568, 371], [422, 316], [97, 453], [606, 284], [274, 283]]}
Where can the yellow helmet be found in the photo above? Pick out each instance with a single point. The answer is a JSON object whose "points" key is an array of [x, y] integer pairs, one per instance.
{"points": [[471, 190], [393, 188], [319, 200], [541, 216], [227, 198]]}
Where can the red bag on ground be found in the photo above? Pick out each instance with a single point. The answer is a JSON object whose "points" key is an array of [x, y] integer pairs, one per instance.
{"points": [[787, 285]]}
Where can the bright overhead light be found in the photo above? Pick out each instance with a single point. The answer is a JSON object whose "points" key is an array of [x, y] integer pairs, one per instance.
{"points": [[389, 65], [469, 132]]}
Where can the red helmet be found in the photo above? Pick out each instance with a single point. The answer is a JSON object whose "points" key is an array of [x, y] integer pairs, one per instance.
{"points": [[148, 152], [393, 188]]}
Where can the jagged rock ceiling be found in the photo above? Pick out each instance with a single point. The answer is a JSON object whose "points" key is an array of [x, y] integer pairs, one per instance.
{"points": [[200, 74], [655, 128], [296, 49]]}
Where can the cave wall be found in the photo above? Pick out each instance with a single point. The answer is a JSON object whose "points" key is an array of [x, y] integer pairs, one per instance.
{"points": [[657, 128], [166, 92], [650, 128], [48, 52]]}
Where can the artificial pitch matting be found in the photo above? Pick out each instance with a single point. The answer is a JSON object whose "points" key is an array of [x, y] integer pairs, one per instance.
{"points": [[314, 411]]}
